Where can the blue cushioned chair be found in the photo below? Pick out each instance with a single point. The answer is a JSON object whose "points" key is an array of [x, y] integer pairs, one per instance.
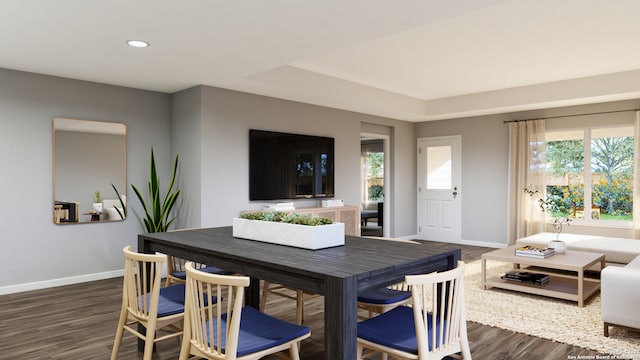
{"points": [[227, 330], [432, 328], [177, 275], [383, 299], [146, 303]]}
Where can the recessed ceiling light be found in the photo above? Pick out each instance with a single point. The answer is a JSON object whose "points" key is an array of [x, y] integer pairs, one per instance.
{"points": [[138, 43]]}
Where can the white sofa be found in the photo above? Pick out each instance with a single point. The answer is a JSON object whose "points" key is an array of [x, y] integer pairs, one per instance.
{"points": [[620, 295], [617, 251]]}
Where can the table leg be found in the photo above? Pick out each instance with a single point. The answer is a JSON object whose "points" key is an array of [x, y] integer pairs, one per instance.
{"points": [[581, 288], [340, 319], [252, 294], [484, 273]]}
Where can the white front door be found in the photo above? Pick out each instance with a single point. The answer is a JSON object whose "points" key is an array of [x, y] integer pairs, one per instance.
{"points": [[439, 191]]}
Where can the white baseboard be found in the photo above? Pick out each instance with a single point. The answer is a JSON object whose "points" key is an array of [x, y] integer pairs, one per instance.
{"points": [[59, 282], [483, 244]]}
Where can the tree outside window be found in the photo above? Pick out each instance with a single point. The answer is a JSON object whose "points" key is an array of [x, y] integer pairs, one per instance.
{"points": [[374, 176], [605, 187]]}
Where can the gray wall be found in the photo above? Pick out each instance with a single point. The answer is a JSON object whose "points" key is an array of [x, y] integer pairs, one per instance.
{"points": [[223, 130], [207, 127], [34, 249], [485, 146], [186, 114], [484, 170]]}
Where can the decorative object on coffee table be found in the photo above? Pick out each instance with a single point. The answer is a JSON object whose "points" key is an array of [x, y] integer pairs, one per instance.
{"points": [[552, 204], [558, 246]]}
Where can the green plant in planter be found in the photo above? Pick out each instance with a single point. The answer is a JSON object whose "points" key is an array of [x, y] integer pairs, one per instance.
{"points": [[550, 203], [157, 211], [97, 198], [291, 218]]}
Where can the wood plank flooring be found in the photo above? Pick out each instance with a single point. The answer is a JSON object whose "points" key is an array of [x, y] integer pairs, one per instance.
{"points": [[78, 322]]}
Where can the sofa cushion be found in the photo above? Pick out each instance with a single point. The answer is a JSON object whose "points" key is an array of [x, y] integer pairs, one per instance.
{"points": [[616, 250], [634, 264]]}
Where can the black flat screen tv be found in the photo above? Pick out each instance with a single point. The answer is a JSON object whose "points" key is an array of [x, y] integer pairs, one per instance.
{"points": [[286, 166]]}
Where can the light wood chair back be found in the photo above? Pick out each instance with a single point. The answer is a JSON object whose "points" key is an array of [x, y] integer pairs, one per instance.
{"points": [[213, 314], [298, 295], [141, 298], [176, 264], [176, 272], [438, 314], [440, 296]]}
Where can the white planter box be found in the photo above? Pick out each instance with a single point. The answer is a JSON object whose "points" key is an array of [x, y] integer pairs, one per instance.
{"points": [[302, 236]]}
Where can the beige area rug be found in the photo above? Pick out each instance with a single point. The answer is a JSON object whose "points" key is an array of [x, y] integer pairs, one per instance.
{"points": [[548, 318]]}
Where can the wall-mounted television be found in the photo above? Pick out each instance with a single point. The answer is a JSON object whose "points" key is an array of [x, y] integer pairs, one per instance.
{"points": [[290, 166]]}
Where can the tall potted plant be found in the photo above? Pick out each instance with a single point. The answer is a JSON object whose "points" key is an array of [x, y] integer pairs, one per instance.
{"points": [[157, 210]]}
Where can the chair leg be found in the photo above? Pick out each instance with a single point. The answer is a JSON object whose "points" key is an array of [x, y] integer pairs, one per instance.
{"points": [[265, 292], [119, 333], [464, 342], [294, 351], [359, 352], [466, 351], [606, 329], [149, 341], [185, 345]]}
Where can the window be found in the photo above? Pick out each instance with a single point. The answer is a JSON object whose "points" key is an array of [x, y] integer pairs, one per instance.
{"points": [[373, 163], [439, 168], [600, 191]]}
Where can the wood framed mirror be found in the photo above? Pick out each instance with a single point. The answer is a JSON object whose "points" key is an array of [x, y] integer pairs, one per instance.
{"points": [[89, 171]]}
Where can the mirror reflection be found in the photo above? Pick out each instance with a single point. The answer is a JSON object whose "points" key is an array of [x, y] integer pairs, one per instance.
{"points": [[89, 171]]}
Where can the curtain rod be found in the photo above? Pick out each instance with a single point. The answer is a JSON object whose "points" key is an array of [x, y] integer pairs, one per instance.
{"points": [[564, 116]]}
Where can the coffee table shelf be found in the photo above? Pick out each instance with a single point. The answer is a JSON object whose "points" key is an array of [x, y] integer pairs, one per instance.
{"points": [[569, 287]]}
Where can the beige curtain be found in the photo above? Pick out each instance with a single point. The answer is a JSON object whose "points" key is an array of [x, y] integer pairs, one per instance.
{"points": [[526, 170], [636, 177]]}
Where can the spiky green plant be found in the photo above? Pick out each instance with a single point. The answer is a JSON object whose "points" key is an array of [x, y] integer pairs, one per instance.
{"points": [[123, 213], [157, 211]]}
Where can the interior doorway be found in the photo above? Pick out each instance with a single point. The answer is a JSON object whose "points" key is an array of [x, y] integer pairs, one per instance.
{"points": [[375, 184]]}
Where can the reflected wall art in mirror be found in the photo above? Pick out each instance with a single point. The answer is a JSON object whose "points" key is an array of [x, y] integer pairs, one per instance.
{"points": [[89, 171]]}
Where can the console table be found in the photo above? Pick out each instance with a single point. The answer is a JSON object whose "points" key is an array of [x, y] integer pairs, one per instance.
{"points": [[348, 214], [338, 273]]}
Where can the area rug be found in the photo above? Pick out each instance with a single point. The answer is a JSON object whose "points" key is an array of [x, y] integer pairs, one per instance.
{"points": [[552, 319]]}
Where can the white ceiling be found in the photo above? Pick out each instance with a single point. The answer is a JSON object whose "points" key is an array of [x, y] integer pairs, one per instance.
{"points": [[414, 60]]}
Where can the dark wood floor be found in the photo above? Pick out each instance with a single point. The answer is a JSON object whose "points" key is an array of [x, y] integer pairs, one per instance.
{"points": [[78, 322]]}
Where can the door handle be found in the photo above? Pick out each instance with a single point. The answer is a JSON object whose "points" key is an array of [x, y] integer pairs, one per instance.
{"points": [[455, 192]]}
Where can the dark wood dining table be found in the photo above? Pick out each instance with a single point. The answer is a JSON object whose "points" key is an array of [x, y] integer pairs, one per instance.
{"points": [[337, 273]]}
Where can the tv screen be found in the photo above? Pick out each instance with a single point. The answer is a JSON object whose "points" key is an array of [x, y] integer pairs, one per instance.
{"points": [[289, 166]]}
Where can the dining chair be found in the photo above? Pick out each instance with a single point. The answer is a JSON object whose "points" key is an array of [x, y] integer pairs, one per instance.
{"points": [[286, 292], [225, 329], [145, 302], [176, 273], [383, 299], [434, 326]]}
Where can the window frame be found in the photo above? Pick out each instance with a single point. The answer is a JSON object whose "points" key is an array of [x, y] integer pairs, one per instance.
{"points": [[586, 131]]}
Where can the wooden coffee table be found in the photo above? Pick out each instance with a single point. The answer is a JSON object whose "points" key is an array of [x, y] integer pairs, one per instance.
{"points": [[570, 284]]}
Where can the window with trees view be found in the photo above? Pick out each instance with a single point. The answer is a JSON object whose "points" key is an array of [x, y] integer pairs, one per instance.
{"points": [[590, 172], [373, 164]]}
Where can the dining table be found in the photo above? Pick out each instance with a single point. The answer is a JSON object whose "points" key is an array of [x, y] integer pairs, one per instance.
{"points": [[338, 273]]}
